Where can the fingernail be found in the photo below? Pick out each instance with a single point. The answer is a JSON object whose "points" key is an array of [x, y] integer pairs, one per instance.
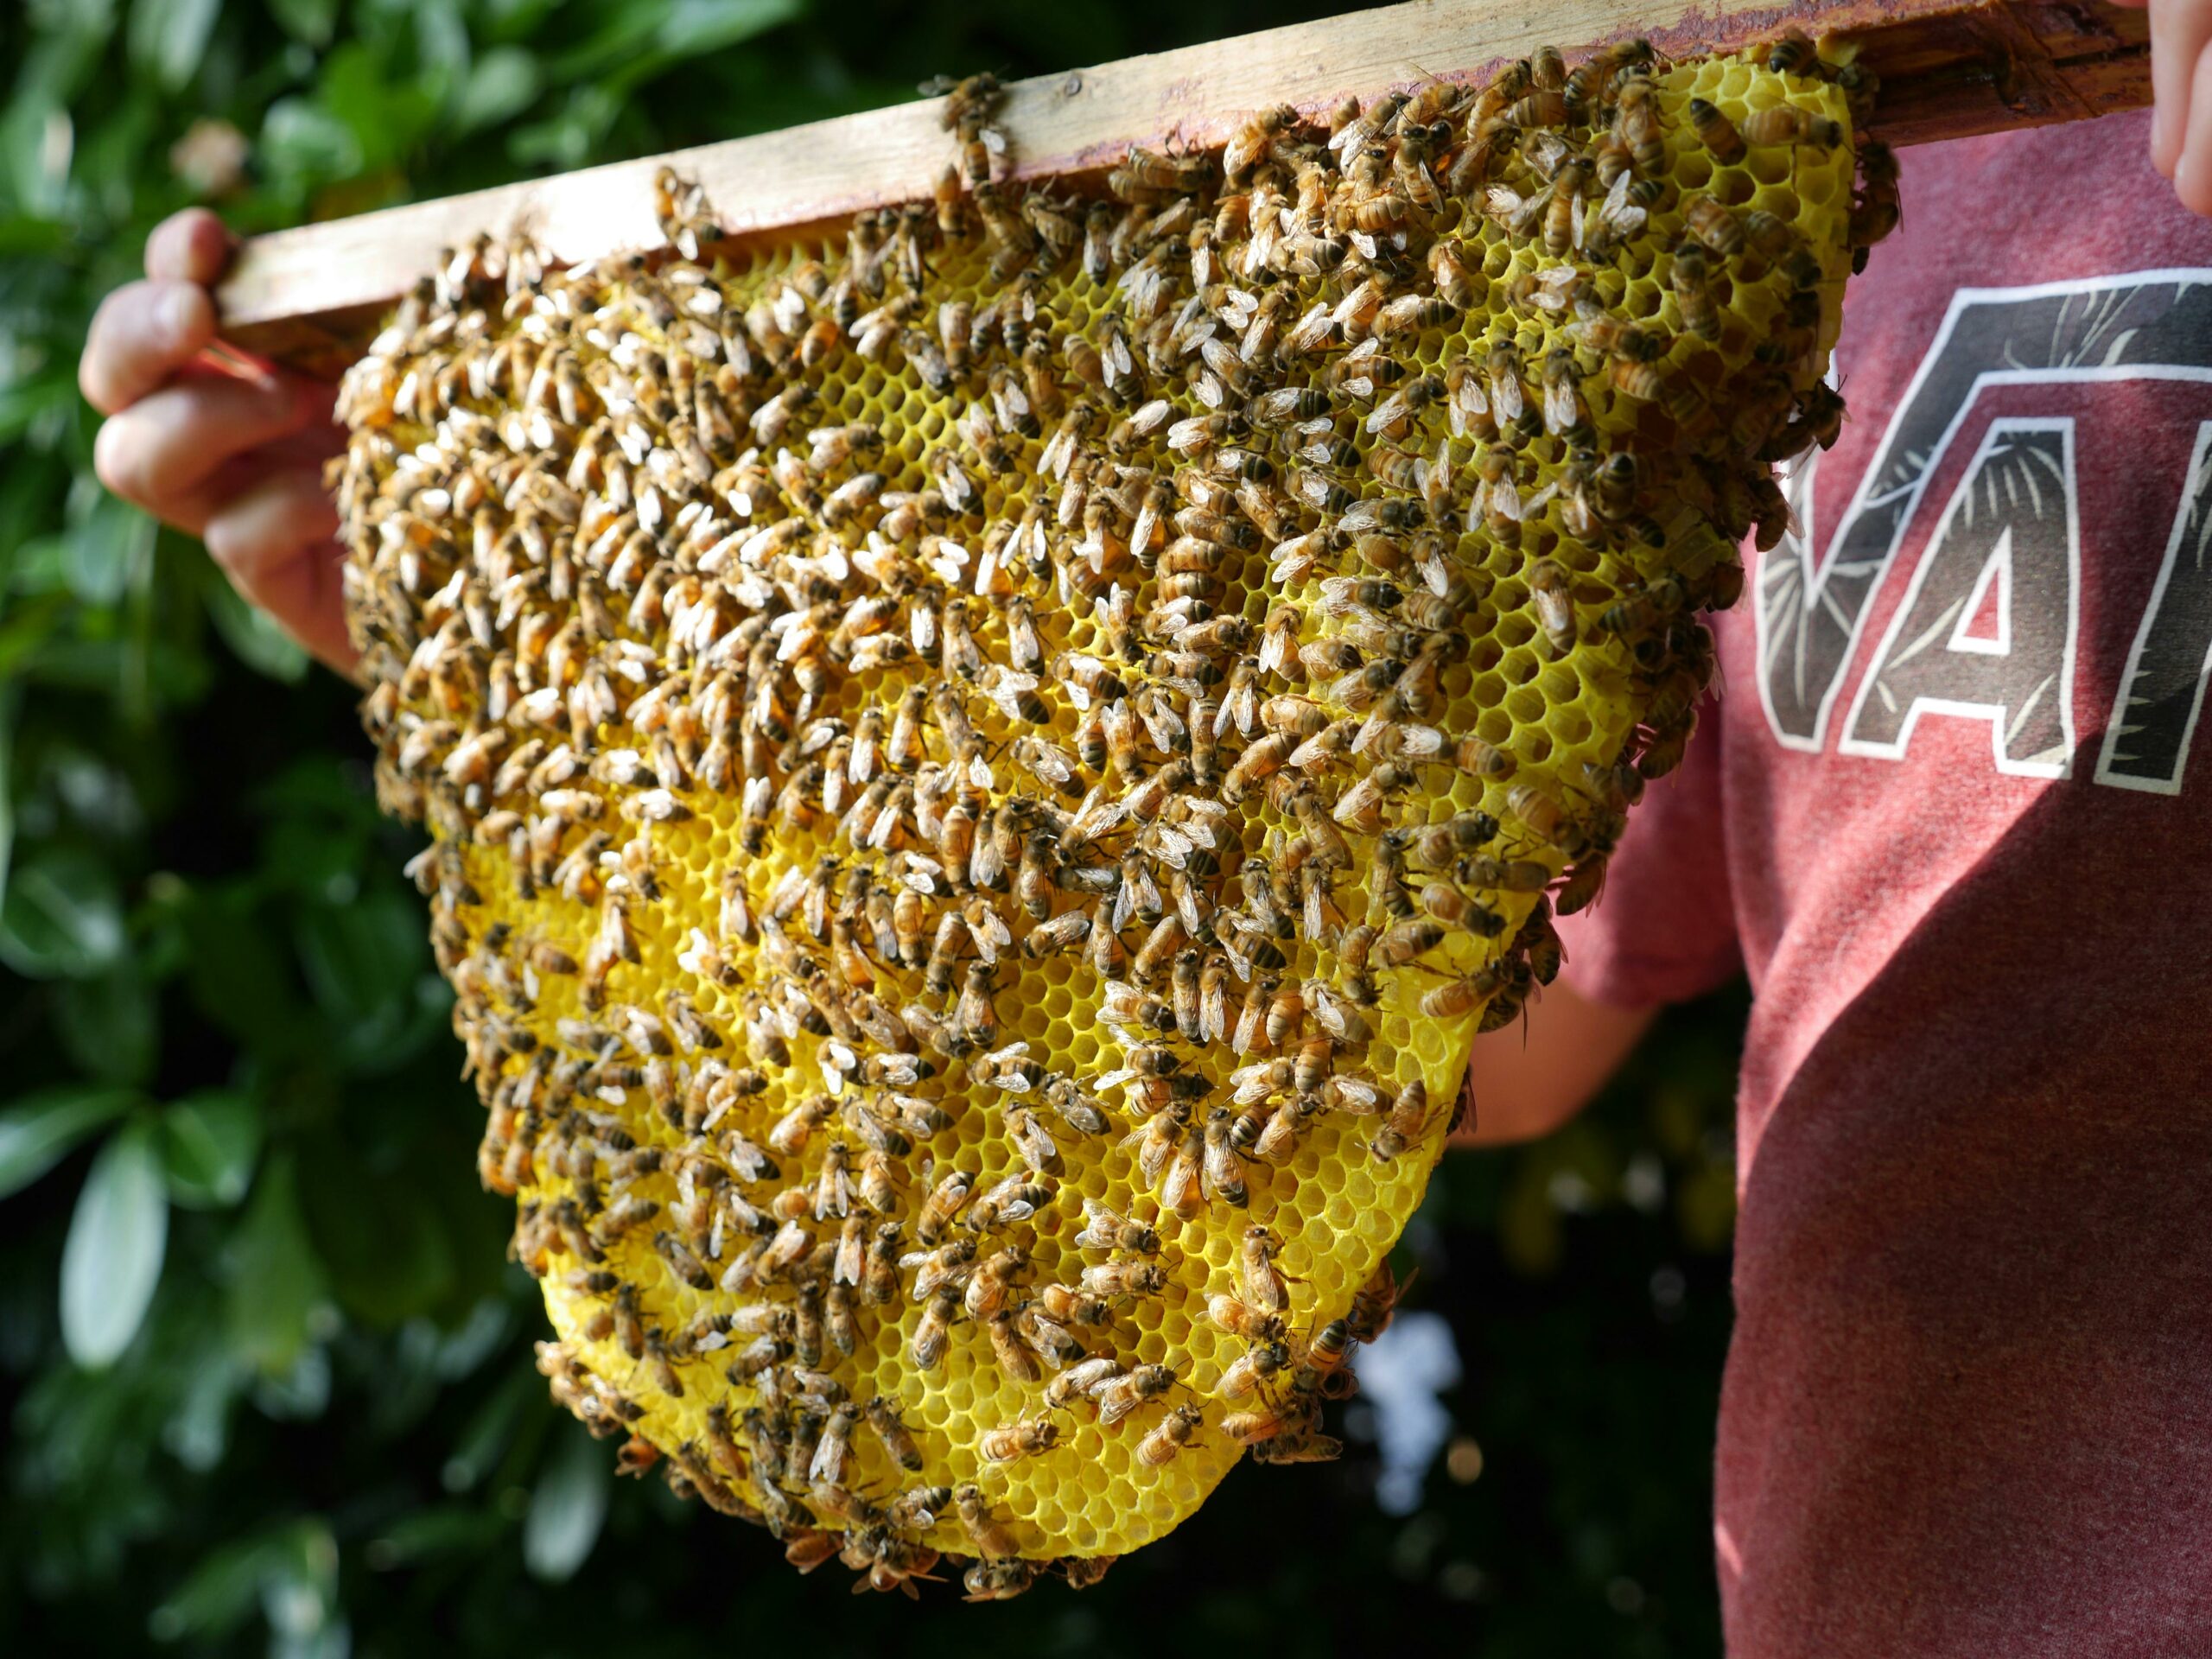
{"points": [[180, 314]]}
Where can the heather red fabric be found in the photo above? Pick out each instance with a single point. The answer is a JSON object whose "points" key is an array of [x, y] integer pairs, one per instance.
{"points": [[1950, 816]]}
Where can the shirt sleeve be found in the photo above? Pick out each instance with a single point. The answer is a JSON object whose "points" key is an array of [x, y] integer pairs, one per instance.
{"points": [[1664, 928]]}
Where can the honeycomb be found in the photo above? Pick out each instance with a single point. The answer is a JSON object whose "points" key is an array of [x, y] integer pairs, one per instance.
{"points": [[1136, 624]]}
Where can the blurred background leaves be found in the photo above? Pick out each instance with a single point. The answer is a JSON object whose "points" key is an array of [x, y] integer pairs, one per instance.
{"points": [[264, 1368]]}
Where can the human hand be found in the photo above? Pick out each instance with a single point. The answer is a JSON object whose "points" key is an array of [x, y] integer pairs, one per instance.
{"points": [[237, 461], [2181, 83]]}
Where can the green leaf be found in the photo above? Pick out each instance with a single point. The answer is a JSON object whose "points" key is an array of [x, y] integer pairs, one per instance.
{"points": [[209, 1143], [110, 1024], [364, 962], [10, 702], [169, 37], [290, 1571], [251, 634], [112, 1258], [24, 402], [309, 20], [237, 976], [114, 540], [385, 114], [34, 133], [695, 28], [628, 29], [62, 916], [299, 1597], [503, 84], [222, 1591], [567, 1507], [380, 1237], [301, 141], [277, 1281], [485, 1437], [38, 1130]]}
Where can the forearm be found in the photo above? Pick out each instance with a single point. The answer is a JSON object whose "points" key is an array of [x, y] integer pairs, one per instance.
{"points": [[1534, 1075]]}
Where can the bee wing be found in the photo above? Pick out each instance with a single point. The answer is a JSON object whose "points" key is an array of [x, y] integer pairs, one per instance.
{"points": [[1169, 845], [1560, 413], [1505, 395], [1213, 1013]]}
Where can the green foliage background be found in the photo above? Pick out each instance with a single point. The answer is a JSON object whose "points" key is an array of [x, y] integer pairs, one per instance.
{"points": [[264, 1369]]}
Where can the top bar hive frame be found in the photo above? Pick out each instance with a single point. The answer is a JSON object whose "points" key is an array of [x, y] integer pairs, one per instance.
{"points": [[1948, 69]]}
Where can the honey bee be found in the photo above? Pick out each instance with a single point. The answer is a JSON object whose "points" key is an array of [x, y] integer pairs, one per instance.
{"points": [[1566, 415], [1028, 1438], [1717, 132], [1874, 209], [756, 1357], [879, 1276], [1109, 1279], [1587, 80], [1223, 1170], [1551, 590], [1106, 1229], [628, 1328], [1545, 107], [1322, 1370], [1169, 1436], [946, 1201], [1310, 1064], [1257, 1277], [1265, 1424], [1689, 275], [1665, 750], [948, 1264], [1120, 1396], [1253, 1370], [681, 1261], [951, 210], [1713, 223], [1013, 1356], [1258, 761], [934, 1333], [1636, 121], [1259, 138], [1406, 1123], [991, 1283], [1546, 954], [992, 1539], [1785, 123], [974, 1021], [1393, 416], [1240, 1319], [1414, 313], [1374, 1304]]}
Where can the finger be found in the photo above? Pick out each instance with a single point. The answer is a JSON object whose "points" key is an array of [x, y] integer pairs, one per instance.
{"points": [[2178, 33], [141, 335], [2193, 167], [192, 246], [164, 446], [275, 544]]}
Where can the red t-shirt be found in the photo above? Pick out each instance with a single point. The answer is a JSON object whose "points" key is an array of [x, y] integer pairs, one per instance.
{"points": [[1948, 816]]}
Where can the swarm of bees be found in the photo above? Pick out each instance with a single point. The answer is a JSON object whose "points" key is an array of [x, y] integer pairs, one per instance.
{"points": [[983, 776]]}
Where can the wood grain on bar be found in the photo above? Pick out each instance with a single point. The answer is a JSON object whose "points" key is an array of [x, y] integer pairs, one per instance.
{"points": [[1948, 68]]}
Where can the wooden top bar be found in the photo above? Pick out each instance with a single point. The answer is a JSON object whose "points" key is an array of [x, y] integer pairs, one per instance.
{"points": [[1948, 68]]}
